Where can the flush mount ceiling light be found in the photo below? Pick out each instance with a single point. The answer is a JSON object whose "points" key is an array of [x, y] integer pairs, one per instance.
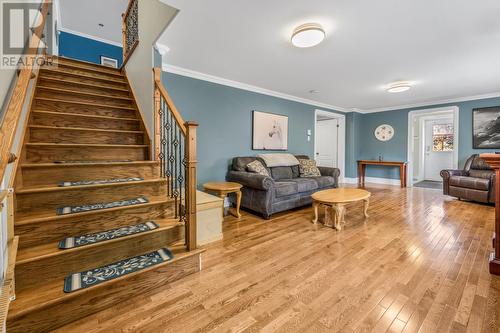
{"points": [[397, 87], [308, 35]]}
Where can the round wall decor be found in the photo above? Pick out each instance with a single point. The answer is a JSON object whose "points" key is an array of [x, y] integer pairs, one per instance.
{"points": [[384, 132]]}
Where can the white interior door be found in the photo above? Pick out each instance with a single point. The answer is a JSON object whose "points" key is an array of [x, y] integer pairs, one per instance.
{"points": [[437, 156], [327, 143]]}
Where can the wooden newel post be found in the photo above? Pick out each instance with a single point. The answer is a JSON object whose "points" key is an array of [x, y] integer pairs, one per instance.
{"points": [[191, 185], [157, 108], [494, 161]]}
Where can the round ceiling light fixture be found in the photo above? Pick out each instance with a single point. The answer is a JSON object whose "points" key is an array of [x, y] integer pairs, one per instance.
{"points": [[308, 35], [400, 86]]}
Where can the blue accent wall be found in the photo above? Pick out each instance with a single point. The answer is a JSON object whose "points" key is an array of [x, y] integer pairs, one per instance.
{"points": [[224, 115], [86, 49], [397, 148]]}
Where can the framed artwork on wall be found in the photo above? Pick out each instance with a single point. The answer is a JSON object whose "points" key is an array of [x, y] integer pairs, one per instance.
{"points": [[486, 128], [269, 131]]}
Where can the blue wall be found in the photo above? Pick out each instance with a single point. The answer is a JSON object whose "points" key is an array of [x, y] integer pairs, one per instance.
{"points": [[225, 118], [396, 149], [85, 49]]}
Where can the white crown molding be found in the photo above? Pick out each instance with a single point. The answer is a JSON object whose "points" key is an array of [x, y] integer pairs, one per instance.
{"points": [[431, 103], [235, 84], [81, 34]]}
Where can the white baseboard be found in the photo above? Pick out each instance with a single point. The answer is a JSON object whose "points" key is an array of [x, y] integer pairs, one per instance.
{"points": [[374, 180]]}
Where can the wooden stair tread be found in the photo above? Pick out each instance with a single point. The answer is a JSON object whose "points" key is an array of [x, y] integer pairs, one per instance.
{"points": [[84, 115], [63, 72], [57, 165], [80, 83], [63, 59], [76, 145], [35, 299], [42, 216], [51, 249], [43, 189], [86, 129], [69, 91], [98, 70], [58, 100]]}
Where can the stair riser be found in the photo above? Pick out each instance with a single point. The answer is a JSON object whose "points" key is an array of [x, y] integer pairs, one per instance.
{"points": [[95, 75], [76, 97], [35, 273], [52, 231], [91, 110], [103, 296], [40, 154], [51, 135], [46, 119], [63, 76], [64, 63], [83, 88], [50, 176], [82, 195]]}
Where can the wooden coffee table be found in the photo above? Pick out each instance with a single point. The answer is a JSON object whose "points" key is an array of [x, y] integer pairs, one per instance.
{"points": [[335, 201], [221, 189]]}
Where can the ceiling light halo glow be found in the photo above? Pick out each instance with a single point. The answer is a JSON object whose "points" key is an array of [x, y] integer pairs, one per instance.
{"points": [[308, 35], [397, 87]]}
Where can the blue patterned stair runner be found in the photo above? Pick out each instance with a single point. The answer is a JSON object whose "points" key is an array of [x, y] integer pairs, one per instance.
{"points": [[72, 242], [115, 270], [98, 182], [96, 206]]}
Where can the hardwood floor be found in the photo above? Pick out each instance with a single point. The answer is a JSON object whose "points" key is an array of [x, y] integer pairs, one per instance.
{"points": [[418, 264]]}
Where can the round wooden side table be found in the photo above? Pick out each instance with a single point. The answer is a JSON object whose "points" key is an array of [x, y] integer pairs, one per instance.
{"points": [[335, 201], [222, 189]]}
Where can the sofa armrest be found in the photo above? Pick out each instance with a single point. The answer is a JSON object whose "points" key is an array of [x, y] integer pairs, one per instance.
{"points": [[250, 179], [446, 174], [332, 172]]}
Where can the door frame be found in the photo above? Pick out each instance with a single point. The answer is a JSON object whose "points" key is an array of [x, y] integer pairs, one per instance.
{"points": [[437, 112], [340, 138]]}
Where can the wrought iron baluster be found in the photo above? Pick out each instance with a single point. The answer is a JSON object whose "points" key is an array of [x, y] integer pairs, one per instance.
{"points": [[162, 138], [176, 189], [171, 156]]}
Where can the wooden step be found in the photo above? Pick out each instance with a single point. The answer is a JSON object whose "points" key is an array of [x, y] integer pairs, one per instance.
{"points": [[54, 134], [68, 119], [50, 152], [62, 106], [88, 79], [50, 174], [74, 84], [48, 307], [97, 75], [87, 65], [67, 96], [79, 103], [47, 227], [47, 198], [35, 265]]}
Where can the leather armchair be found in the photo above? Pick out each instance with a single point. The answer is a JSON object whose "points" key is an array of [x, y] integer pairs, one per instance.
{"points": [[475, 182]]}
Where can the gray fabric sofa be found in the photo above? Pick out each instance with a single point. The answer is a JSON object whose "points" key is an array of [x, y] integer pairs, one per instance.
{"points": [[282, 191]]}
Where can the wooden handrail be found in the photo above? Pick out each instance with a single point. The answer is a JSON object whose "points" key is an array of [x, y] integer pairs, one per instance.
{"points": [[14, 108]]}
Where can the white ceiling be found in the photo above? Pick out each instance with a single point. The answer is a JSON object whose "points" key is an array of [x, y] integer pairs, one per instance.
{"points": [[84, 16], [450, 49]]}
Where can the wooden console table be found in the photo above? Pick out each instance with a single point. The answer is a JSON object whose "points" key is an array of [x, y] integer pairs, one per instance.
{"points": [[494, 161], [362, 170]]}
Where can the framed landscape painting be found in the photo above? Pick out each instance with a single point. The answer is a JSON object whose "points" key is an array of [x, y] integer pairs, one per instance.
{"points": [[270, 131], [486, 128]]}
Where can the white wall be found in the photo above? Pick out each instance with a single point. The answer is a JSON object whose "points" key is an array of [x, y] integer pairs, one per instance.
{"points": [[154, 17]]}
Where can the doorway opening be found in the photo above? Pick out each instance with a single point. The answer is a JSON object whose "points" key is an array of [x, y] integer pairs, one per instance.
{"points": [[329, 140], [432, 145]]}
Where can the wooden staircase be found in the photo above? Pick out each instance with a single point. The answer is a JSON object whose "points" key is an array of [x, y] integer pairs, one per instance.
{"points": [[84, 125]]}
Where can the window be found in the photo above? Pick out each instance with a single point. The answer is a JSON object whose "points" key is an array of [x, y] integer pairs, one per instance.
{"points": [[442, 137]]}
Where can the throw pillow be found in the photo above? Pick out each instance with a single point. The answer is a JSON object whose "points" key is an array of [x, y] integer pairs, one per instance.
{"points": [[257, 167], [308, 168]]}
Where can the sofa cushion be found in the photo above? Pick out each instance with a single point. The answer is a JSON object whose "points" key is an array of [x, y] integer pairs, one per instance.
{"points": [[325, 181], [470, 182], [279, 173], [285, 188], [259, 168], [305, 184], [308, 168]]}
